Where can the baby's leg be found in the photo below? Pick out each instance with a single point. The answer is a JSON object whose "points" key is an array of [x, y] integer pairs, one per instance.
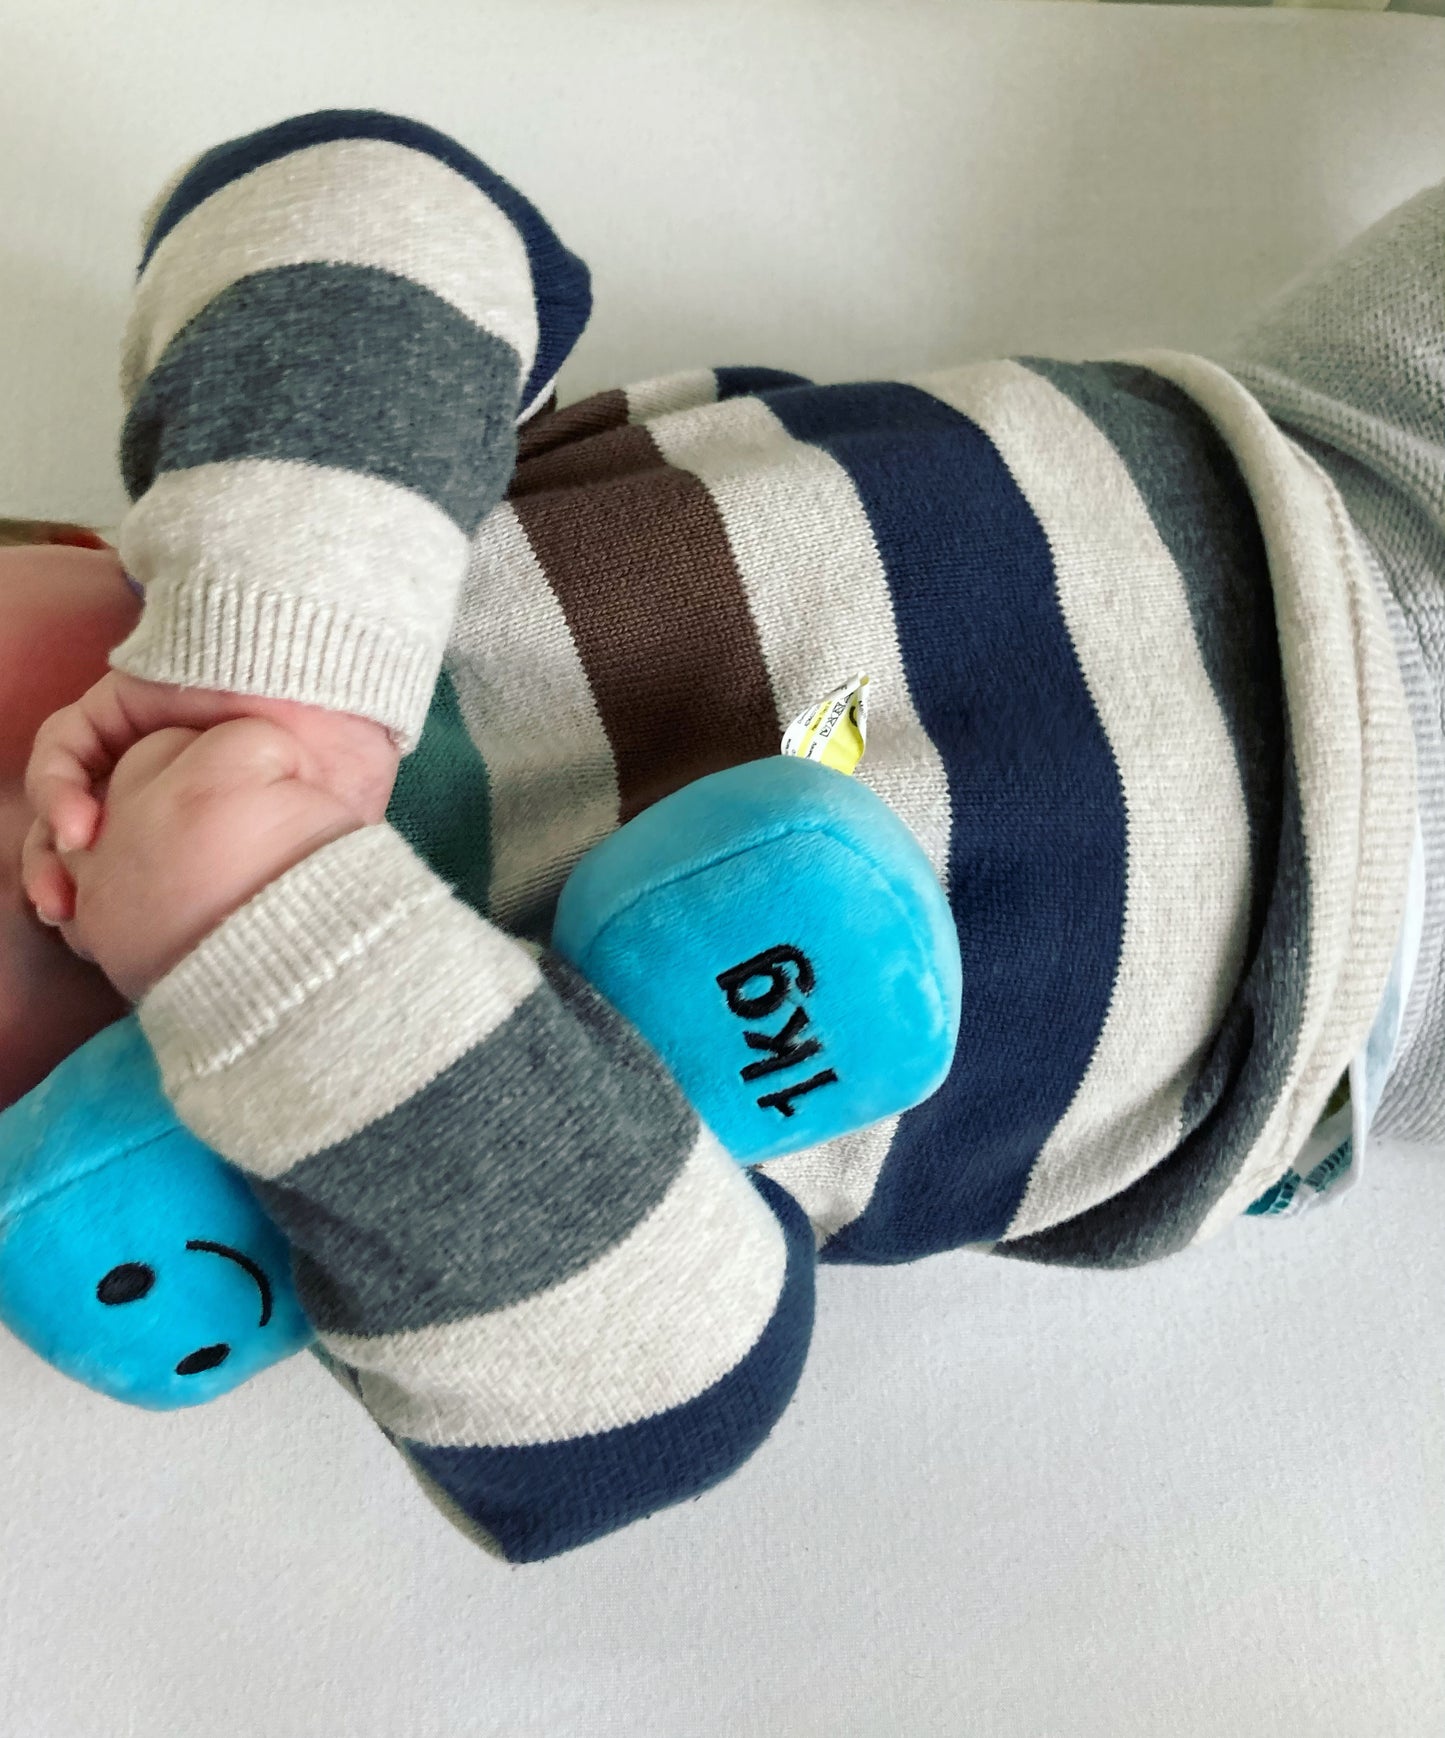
{"points": [[1350, 360]]}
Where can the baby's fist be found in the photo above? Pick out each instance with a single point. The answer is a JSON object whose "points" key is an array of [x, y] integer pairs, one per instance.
{"points": [[78, 748], [195, 823]]}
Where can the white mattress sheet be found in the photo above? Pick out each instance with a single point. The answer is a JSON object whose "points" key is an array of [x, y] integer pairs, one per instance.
{"points": [[1200, 1499]]}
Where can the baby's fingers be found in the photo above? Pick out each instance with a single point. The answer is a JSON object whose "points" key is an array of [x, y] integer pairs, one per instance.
{"points": [[75, 750], [46, 881]]}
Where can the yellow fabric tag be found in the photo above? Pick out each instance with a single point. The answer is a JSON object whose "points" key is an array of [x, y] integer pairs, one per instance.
{"points": [[834, 731]]}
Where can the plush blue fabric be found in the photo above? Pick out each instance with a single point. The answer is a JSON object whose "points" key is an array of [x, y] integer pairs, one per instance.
{"points": [[131, 1257], [807, 876]]}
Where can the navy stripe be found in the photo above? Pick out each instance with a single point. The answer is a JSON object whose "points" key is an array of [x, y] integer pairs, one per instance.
{"points": [[1191, 484], [740, 382], [1036, 869], [549, 1497], [341, 366], [1199, 503], [561, 285]]}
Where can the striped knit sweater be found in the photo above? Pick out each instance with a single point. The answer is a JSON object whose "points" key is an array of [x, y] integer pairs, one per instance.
{"points": [[1136, 697]]}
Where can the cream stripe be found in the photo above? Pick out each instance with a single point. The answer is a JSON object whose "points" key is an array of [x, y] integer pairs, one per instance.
{"points": [[348, 985], [539, 398], [1188, 875], [371, 548], [820, 600], [833, 1183], [528, 707], [647, 1327], [1353, 749], [304, 582], [670, 392], [364, 202]]}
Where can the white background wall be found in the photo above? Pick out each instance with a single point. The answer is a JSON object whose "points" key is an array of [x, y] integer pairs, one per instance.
{"points": [[1202, 1499]]}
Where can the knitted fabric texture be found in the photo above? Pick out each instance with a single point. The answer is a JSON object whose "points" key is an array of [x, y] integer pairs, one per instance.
{"points": [[1136, 698], [1351, 360]]}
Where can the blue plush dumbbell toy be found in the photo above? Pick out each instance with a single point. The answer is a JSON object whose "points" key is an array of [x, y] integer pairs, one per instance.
{"points": [[131, 1257], [774, 931], [777, 935]]}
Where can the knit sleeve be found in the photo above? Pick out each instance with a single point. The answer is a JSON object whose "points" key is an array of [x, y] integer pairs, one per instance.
{"points": [[1350, 361], [549, 1284], [338, 324], [1349, 356]]}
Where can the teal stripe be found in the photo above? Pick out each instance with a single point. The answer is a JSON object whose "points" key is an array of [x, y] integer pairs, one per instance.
{"points": [[442, 803]]}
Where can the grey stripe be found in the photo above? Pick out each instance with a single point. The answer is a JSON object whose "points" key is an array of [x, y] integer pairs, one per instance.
{"points": [[334, 365], [1191, 485], [518, 1166]]}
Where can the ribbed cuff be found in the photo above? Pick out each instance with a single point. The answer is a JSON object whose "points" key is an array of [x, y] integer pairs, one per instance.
{"points": [[285, 648], [298, 933]]}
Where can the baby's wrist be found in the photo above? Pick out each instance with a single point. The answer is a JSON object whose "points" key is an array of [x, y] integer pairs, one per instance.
{"points": [[142, 961], [372, 669], [304, 929]]}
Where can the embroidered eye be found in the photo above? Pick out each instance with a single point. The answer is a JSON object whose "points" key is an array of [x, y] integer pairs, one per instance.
{"points": [[206, 1359], [126, 1283]]}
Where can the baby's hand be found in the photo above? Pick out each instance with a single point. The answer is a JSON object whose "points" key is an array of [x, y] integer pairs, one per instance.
{"points": [[77, 750], [195, 823]]}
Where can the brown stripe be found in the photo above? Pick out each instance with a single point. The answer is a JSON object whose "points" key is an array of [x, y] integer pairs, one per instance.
{"points": [[640, 563], [603, 457], [555, 428]]}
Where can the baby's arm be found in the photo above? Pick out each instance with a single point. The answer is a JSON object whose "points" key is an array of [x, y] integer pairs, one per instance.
{"points": [[563, 1301], [339, 322], [558, 1295]]}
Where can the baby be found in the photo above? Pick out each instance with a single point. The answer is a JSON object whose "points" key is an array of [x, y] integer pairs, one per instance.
{"points": [[1155, 651]]}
